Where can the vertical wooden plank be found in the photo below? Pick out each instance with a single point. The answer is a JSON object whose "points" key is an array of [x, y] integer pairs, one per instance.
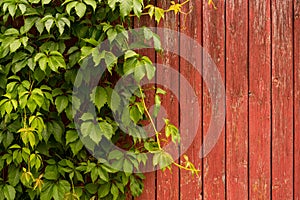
{"points": [[237, 99], [282, 99], [214, 44], [191, 25], [167, 182], [297, 100], [259, 99], [150, 181]]}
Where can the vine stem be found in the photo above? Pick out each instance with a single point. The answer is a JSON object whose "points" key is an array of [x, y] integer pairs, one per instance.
{"points": [[157, 135], [150, 118], [185, 168]]}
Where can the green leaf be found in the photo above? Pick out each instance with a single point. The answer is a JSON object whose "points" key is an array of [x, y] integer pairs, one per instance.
{"points": [[43, 63], [40, 26], [76, 147], [15, 46], [127, 166], [158, 13], [114, 191], [163, 159], [106, 129], [137, 7], [112, 4], [61, 103], [70, 6], [99, 97], [103, 190], [80, 9], [9, 192], [71, 136], [139, 71], [150, 69], [48, 24], [22, 8], [12, 9], [94, 174], [91, 3], [45, 2], [57, 131], [91, 188], [51, 172], [125, 7], [135, 114], [14, 175], [95, 135], [114, 101], [103, 174], [110, 60], [115, 154]]}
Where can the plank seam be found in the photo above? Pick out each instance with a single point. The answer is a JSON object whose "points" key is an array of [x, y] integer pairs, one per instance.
{"points": [[271, 101], [293, 33], [248, 106], [225, 83]]}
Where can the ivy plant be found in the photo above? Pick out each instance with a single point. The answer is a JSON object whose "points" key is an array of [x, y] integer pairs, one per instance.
{"points": [[43, 45]]}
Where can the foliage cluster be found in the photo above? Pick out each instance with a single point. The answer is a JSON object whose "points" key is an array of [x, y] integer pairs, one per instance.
{"points": [[43, 44]]}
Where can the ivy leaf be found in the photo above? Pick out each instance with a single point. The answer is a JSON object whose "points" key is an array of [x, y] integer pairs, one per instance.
{"points": [[127, 166], [71, 136], [51, 172], [103, 174], [14, 175], [125, 7], [15, 46], [150, 69], [135, 114], [76, 147], [158, 13], [115, 154], [48, 24], [40, 26], [99, 97], [112, 4], [114, 191], [61, 103], [139, 71], [22, 8], [70, 6], [163, 159], [80, 9], [57, 131], [9, 192], [45, 2], [106, 129], [104, 190], [137, 7], [91, 3]]}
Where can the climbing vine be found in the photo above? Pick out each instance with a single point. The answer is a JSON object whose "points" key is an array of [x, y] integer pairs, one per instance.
{"points": [[43, 45]]}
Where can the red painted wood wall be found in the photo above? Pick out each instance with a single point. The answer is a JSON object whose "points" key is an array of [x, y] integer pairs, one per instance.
{"points": [[256, 47]]}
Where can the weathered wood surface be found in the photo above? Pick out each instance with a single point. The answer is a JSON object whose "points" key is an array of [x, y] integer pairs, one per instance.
{"points": [[259, 99], [214, 44], [256, 47], [193, 29], [297, 99], [282, 99]]}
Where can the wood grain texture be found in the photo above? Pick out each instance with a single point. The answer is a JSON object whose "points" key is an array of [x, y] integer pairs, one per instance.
{"points": [[150, 181], [191, 25], [214, 45], [282, 99], [237, 99], [259, 99], [297, 99], [168, 181]]}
